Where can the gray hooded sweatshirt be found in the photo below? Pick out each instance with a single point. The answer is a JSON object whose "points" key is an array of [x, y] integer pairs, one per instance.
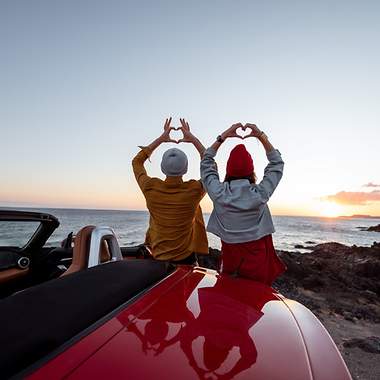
{"points": [[240, 213]]}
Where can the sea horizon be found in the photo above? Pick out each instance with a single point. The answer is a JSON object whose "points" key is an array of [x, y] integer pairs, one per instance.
{"points": [[354, 216], [293, 232]]}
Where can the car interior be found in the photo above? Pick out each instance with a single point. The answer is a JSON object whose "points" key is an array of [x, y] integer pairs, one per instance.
{"points": [[49, 296], [34, 263]]}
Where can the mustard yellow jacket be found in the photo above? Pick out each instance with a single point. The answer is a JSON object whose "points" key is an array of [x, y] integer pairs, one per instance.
{"points": [[176, 225]]}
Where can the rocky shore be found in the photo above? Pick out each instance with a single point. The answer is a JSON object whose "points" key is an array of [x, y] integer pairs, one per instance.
{"points": [[341, 286], [374, 228]]}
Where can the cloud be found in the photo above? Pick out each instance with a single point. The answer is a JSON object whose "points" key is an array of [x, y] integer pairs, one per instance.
{"points": [[354, 198], [371, 184]]}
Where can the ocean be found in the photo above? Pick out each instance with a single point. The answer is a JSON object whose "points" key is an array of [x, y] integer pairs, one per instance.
{"points": [[130, 227]]}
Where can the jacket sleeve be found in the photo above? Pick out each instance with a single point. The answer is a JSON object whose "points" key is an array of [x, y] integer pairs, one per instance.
{"points": [[272, 175], [139, 171], [209, 174]]}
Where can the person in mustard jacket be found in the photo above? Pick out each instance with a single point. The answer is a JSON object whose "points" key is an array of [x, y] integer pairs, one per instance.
{"points": [[176, 227]]}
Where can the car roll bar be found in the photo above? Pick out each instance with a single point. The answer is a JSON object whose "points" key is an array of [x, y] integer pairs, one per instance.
{"points": [[98, 235]]}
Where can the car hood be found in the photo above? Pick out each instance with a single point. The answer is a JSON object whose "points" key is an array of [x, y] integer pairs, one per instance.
{"points": [[196, 324]]}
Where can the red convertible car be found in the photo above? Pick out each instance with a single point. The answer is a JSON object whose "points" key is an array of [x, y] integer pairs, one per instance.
{"points": [[92, 310]]}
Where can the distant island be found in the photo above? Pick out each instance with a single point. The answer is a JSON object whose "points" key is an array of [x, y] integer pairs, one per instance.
{"points": [[358, 216]]}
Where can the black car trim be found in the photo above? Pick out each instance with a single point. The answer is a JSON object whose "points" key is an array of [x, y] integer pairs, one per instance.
{"points": [[38, 364]]}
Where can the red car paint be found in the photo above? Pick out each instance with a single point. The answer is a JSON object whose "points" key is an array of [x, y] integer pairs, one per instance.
{"points": [[198, 324]]}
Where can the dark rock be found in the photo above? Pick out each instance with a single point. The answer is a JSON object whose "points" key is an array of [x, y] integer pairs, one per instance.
{"points": [[294, 268], [370, 295], [298, 246], [332, 278], [370, 344], [312, 282], [348, 316], [211, 261], [331, 248], [368, 269], [309, 242], [374, 228], [339, 274]]}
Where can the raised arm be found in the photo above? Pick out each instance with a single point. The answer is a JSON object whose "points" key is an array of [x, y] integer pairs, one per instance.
{"points": [[188, 137], [228, 133], [209, 170], [274, 170], [164, 137], [260, 135], [138, 162]]}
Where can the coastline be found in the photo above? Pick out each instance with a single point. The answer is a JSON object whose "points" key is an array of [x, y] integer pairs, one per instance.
{"points": [[130, 227], [340, 284]]}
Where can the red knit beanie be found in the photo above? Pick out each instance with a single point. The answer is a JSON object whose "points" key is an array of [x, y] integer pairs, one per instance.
{"points": [[240, 162]]}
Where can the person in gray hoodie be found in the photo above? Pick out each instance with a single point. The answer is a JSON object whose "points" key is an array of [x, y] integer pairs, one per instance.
{"points": [[241, 216]]}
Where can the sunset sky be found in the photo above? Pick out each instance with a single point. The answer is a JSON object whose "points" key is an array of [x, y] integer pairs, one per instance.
{"points": [[83, 83]]}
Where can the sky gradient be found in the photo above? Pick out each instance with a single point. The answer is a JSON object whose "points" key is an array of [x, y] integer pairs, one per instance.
{"points": [[83, 83]]}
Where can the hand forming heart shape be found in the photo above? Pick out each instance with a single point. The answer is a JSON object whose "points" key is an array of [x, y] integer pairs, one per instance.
{"points": [[187, 136], [168, 130], [243, 132], [176, 136], [236, 130]]}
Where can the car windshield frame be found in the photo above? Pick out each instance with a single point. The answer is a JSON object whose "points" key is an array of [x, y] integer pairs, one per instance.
{"points": [[20, 241], [47, 225]]}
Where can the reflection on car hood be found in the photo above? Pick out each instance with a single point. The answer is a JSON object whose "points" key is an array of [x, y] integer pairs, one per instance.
{"points": [[195, 324]]}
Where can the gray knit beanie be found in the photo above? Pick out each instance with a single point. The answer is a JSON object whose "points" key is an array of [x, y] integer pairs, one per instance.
{"points": [[174, 162]]}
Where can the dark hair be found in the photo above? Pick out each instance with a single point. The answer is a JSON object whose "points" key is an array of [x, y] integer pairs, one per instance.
{"points": [[251, 178]]}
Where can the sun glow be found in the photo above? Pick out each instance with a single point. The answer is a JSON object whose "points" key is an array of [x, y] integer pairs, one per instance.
{"points": [[330, 210]]}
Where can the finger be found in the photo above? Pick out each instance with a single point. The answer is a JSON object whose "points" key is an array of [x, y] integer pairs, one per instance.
{"points": [[181, 120], [236, 126], [170, 120], [188, 126], [184, 124]]}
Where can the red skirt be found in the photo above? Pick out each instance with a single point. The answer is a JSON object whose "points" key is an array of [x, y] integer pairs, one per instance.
{"points": [[256, 260]]}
